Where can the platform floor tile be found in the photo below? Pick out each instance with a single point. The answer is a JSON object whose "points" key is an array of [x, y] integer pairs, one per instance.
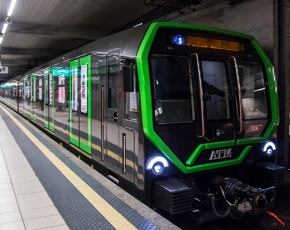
{"points": [[60, 175], [24, 203]]}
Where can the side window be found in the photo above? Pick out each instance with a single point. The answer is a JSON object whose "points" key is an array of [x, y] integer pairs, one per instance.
{"points": [[113, 84], [131, 100], [253, 90], [173, 91]]}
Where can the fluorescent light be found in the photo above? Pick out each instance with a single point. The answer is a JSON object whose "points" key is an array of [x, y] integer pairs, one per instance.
{"points": [[4, 28], [138, 24], [1, 39], [11, 8]]}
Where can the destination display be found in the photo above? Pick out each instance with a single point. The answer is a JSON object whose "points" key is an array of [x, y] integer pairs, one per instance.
{"points": [[206, 43]]}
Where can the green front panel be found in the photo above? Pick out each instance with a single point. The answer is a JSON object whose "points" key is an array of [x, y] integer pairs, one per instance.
{"points": [[84, 146], [75, 141], [146, 104]]}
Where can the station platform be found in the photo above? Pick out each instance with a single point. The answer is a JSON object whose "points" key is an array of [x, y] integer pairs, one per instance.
{"points": [[44, 186]]}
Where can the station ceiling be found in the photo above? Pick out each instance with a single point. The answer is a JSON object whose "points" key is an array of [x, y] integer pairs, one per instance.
{"points": [[42, 30]]}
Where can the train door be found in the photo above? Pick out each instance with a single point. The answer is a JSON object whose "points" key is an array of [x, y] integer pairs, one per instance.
{"points": [[74, 99], [22, 96], [46, 98], [33, 97], [80, 113], [27, 97], [40, 99], [49, 99], [112, 145]]}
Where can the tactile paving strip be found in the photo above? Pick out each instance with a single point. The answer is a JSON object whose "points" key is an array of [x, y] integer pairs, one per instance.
{"points": [[75, 209]]}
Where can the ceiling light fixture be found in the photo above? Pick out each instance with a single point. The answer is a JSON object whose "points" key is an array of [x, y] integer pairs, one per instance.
{"points": [[11, 8], [4, 28]]}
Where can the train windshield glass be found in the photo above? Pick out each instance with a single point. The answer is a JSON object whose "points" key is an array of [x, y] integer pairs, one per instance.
{"points": [[253, 91], [216, 90], [172, 89]]}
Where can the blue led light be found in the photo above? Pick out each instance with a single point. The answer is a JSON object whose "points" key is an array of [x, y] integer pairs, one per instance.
{"points": [[178, 40]]}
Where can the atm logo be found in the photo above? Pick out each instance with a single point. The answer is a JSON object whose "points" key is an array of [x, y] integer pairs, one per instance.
{"points": [[254, 128], [220, 154]]}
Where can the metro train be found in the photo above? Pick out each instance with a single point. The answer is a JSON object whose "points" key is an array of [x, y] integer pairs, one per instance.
{"points": [[181, 116]]}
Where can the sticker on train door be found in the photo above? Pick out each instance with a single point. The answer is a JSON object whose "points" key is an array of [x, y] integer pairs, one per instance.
{"points": [[50, 89], [75, 89], [84, 89]]}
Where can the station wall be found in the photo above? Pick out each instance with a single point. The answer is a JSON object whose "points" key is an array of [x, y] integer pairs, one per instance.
{"points": [[256, 17]]}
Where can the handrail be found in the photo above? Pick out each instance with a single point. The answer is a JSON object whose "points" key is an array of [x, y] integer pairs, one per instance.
{"points": [[201, 95], [239, 94], [102, 123]]}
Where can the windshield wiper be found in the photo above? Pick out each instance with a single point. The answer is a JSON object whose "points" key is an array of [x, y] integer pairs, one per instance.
{"points": [[249, 60], [171, 51]]}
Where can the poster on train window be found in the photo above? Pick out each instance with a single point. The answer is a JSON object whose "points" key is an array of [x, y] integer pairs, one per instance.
{"points": [[31, 89], [75, 89], [61, 94], [50, 89], [133, 102], [46, 91], [40, 94], [61, 79], [40, 82], [34, 89], [27, 91], [84, 89]]}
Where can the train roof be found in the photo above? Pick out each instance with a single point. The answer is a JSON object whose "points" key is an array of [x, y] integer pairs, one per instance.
{"points": [[118, 41], [17, 78], [126, 42]]}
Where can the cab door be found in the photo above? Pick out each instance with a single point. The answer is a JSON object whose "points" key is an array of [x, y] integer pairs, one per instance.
{"points": [[219, 116]]}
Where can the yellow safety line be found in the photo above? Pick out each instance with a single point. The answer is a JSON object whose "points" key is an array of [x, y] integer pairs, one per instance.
{"points": [[98, 148], [113, 216]]}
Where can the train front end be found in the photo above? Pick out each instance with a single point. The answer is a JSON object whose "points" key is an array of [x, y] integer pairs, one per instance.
{"points": [[209, 112]]}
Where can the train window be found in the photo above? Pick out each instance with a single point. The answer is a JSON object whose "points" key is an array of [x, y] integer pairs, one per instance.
{"points": [[253, 91], [131, 101], [216, 90], [113, 84], [173, 92]]}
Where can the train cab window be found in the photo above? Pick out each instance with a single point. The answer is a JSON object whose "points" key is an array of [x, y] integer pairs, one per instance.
{"points": [[113, 84], [216, 90], [131, 101], [172, 89], [253, 91]]}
